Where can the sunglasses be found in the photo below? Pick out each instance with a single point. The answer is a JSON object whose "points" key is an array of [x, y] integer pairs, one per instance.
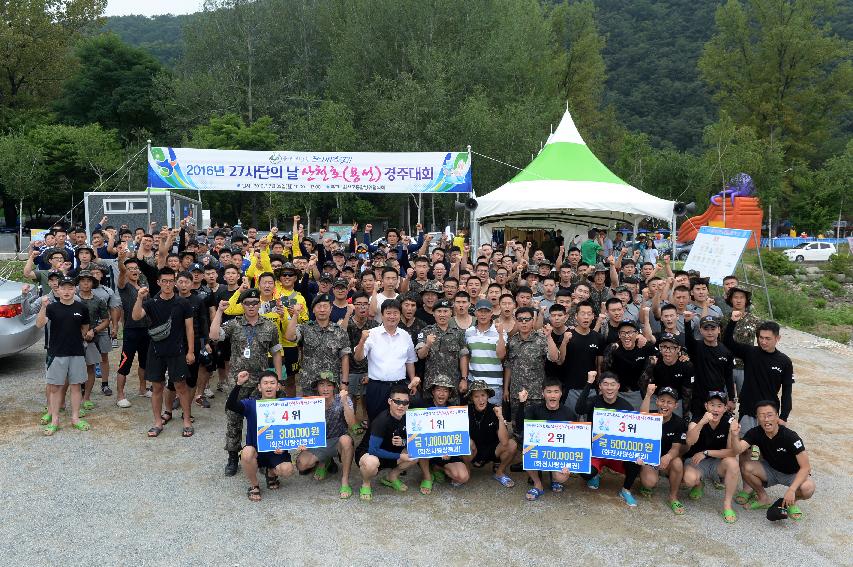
{"points": [[524, 319], [251, 303], [400, 402], [288, 275]]}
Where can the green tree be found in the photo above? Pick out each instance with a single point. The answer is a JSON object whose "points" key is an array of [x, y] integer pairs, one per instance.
{"points": [[112, 85], [21, 173], [817, 197], [773, 68]]}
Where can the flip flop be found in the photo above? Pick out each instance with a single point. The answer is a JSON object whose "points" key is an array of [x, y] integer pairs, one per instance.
{"points": [[346, 491], [155, 431], [50, 429], [254, 493], [556, 487], [166, 416], [365, 493], [697, 492], [646, 492], [395, 484], [273, 483], [794, 512], [756, 505], [356, 429], [439, 476], [187, 432], [534, 494], [320, 472], [46, 418], [426, 487], [729, 516], [504, 480], [81, 425], [743, 497], [88, 405], [677, 508]]}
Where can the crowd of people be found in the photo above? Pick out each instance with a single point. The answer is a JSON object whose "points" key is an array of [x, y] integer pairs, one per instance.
{"points": [[423, 322]]}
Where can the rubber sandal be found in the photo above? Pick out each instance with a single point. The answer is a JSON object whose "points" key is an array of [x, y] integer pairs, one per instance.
{"points": [[677, 508], [556, 487], [273, 483], [320, 472], [365, 493], [187, 432], [534, 494], [426, 487], [82, 413], [729, 516], [88, 405], [81, 425], [45, 419], [155, 431], [356, 429], [346, 492], [794, 512], [743, 497], [697, 492], [50, 429], [395, 484], [254, 493], [166, 416], [439, 476], [646, 492], [756, 505], [505, 480], [719, 485]]}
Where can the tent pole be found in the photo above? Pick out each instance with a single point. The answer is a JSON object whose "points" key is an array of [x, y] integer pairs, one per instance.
{"points": [[473, 225]]}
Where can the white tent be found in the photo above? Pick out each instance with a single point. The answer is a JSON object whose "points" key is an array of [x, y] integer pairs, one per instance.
{"points": [[566, 187]]}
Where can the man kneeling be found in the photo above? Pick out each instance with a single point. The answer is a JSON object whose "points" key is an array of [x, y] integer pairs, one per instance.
{"points": [[438, 469], [277, 463], [672, 443], [490, 440], [384, 446]]}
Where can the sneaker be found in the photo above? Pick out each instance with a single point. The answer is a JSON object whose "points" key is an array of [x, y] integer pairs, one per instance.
{"points": [[97, 370], [208, 393], [105, 390], [594, 482], [148, 392], [202, 401], [123, 403], [628, 497]]}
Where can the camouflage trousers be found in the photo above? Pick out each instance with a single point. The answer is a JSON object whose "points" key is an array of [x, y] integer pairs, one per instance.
{"points": [[234, 421]]}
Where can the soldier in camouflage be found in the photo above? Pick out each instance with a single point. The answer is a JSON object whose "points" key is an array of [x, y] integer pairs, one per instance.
{"points": [[527, 351], [252, 337], [740, 299], [444, 349]]}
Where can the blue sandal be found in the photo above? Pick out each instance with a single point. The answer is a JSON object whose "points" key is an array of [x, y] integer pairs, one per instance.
{"points": [[505, 480], [556, 487], [534, 494]]}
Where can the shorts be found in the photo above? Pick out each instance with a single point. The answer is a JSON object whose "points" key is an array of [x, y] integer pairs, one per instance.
{"points": [[271, 460], [104, 343], [136, 340], [747, 422], [323, 454], [356, 388], [383, 463], [440, 462], [290, 360], [486, 453], [92, 354], [222, 353], [775, 477], [62, 369], [737, 376], [176, 366], [707, 467]]}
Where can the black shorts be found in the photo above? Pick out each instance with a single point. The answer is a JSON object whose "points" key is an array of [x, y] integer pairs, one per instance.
{"points": [[222, 353], [136, 341], [485, 453], [290, 361], [440, 462], [158, 366], [271, 460], [383, 463]]}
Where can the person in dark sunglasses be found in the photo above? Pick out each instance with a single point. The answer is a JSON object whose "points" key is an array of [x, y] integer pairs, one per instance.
{"points": [[384, 446]]}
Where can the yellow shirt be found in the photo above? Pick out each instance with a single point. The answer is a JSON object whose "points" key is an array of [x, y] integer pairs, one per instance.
{"points": [[281, 321]]}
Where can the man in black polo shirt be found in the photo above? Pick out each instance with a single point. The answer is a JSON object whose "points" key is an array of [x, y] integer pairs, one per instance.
{"points": [[584, 353], [609, 320], [766, 371], [672, 443], [669, 371], [784, 461], [712, 362], [628, 359]]}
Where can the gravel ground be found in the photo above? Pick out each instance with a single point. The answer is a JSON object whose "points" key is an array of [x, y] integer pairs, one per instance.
{"points": [[113, 497]]}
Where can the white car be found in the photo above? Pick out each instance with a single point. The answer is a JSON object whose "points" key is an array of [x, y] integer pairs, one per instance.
{"points": [[811, 252]]}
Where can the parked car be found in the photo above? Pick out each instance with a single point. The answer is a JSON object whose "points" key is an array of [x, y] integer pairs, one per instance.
{"points": [[811, 252], [18, 329], [682, 250]]}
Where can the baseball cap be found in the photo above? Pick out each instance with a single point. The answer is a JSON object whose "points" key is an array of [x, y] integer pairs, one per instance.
{"points": [[717, 395], [709, 321], [777, 511], [442, 304], [668, 391], [341, 282], [325, 278], [626, 323], [483, 304], [196, 267], [668, 338], [66, 280], [253, 293], [54, 274]]}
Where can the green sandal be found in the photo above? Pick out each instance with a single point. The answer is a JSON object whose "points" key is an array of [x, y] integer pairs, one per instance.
{"points": [[83, 413], [743, 497], [646, 492], [346, 491], [365, 493], [355, 429], [88, 405], [794, 512], [50, 429], [697, 492], [81, 425], [677, 508], [395, 484], [756, 505], [426, 487], [320, 472], [46, 418], [439, 476], [729, 516]]}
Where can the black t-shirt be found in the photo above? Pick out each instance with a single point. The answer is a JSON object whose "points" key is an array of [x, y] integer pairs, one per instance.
{"points": [[552, 369], [781, 451], [713, 366], [586, 405], [612, 333], [581, 354], [128, 295], [629, 364], [221, 294], [711, 439], [66, 321], [483, 426], [385, 426], [672, 431], [539, 411], [159, 310], [198, 308], [679, 376], [427, 318]]}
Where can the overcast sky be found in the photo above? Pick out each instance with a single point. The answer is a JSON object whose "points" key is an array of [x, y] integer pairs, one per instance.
{"points": [[152, 7]]}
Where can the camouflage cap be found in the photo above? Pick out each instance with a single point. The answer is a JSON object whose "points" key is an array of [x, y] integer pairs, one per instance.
{"points": [[442, 380], [480, 386], [432, 286], [325, 375]]}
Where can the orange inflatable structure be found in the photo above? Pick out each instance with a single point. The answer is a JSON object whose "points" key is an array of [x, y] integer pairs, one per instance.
{"points": [[746, 214]]}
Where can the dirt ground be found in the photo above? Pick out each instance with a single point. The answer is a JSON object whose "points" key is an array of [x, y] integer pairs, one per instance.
{"points": [[114, 497]]}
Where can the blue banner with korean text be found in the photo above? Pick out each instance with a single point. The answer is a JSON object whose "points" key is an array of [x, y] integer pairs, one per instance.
{"points": [[438, 432], [556, 446], [626, 435], [290, 423]]}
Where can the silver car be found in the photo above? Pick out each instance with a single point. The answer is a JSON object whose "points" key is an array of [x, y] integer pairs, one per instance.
{"points": [[18, 312]]}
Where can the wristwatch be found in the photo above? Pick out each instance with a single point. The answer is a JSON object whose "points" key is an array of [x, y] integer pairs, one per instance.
{"points": [[705, 453]]}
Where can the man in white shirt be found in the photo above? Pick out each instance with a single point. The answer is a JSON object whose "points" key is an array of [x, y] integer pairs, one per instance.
{"points": [[390, 356]]}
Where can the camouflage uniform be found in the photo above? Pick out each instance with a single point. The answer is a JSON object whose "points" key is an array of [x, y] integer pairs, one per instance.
{"points": [[744, 332], [322, 350], [417, 287], [598, 297], [526, 361], [264, 337], [444, 354]]}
